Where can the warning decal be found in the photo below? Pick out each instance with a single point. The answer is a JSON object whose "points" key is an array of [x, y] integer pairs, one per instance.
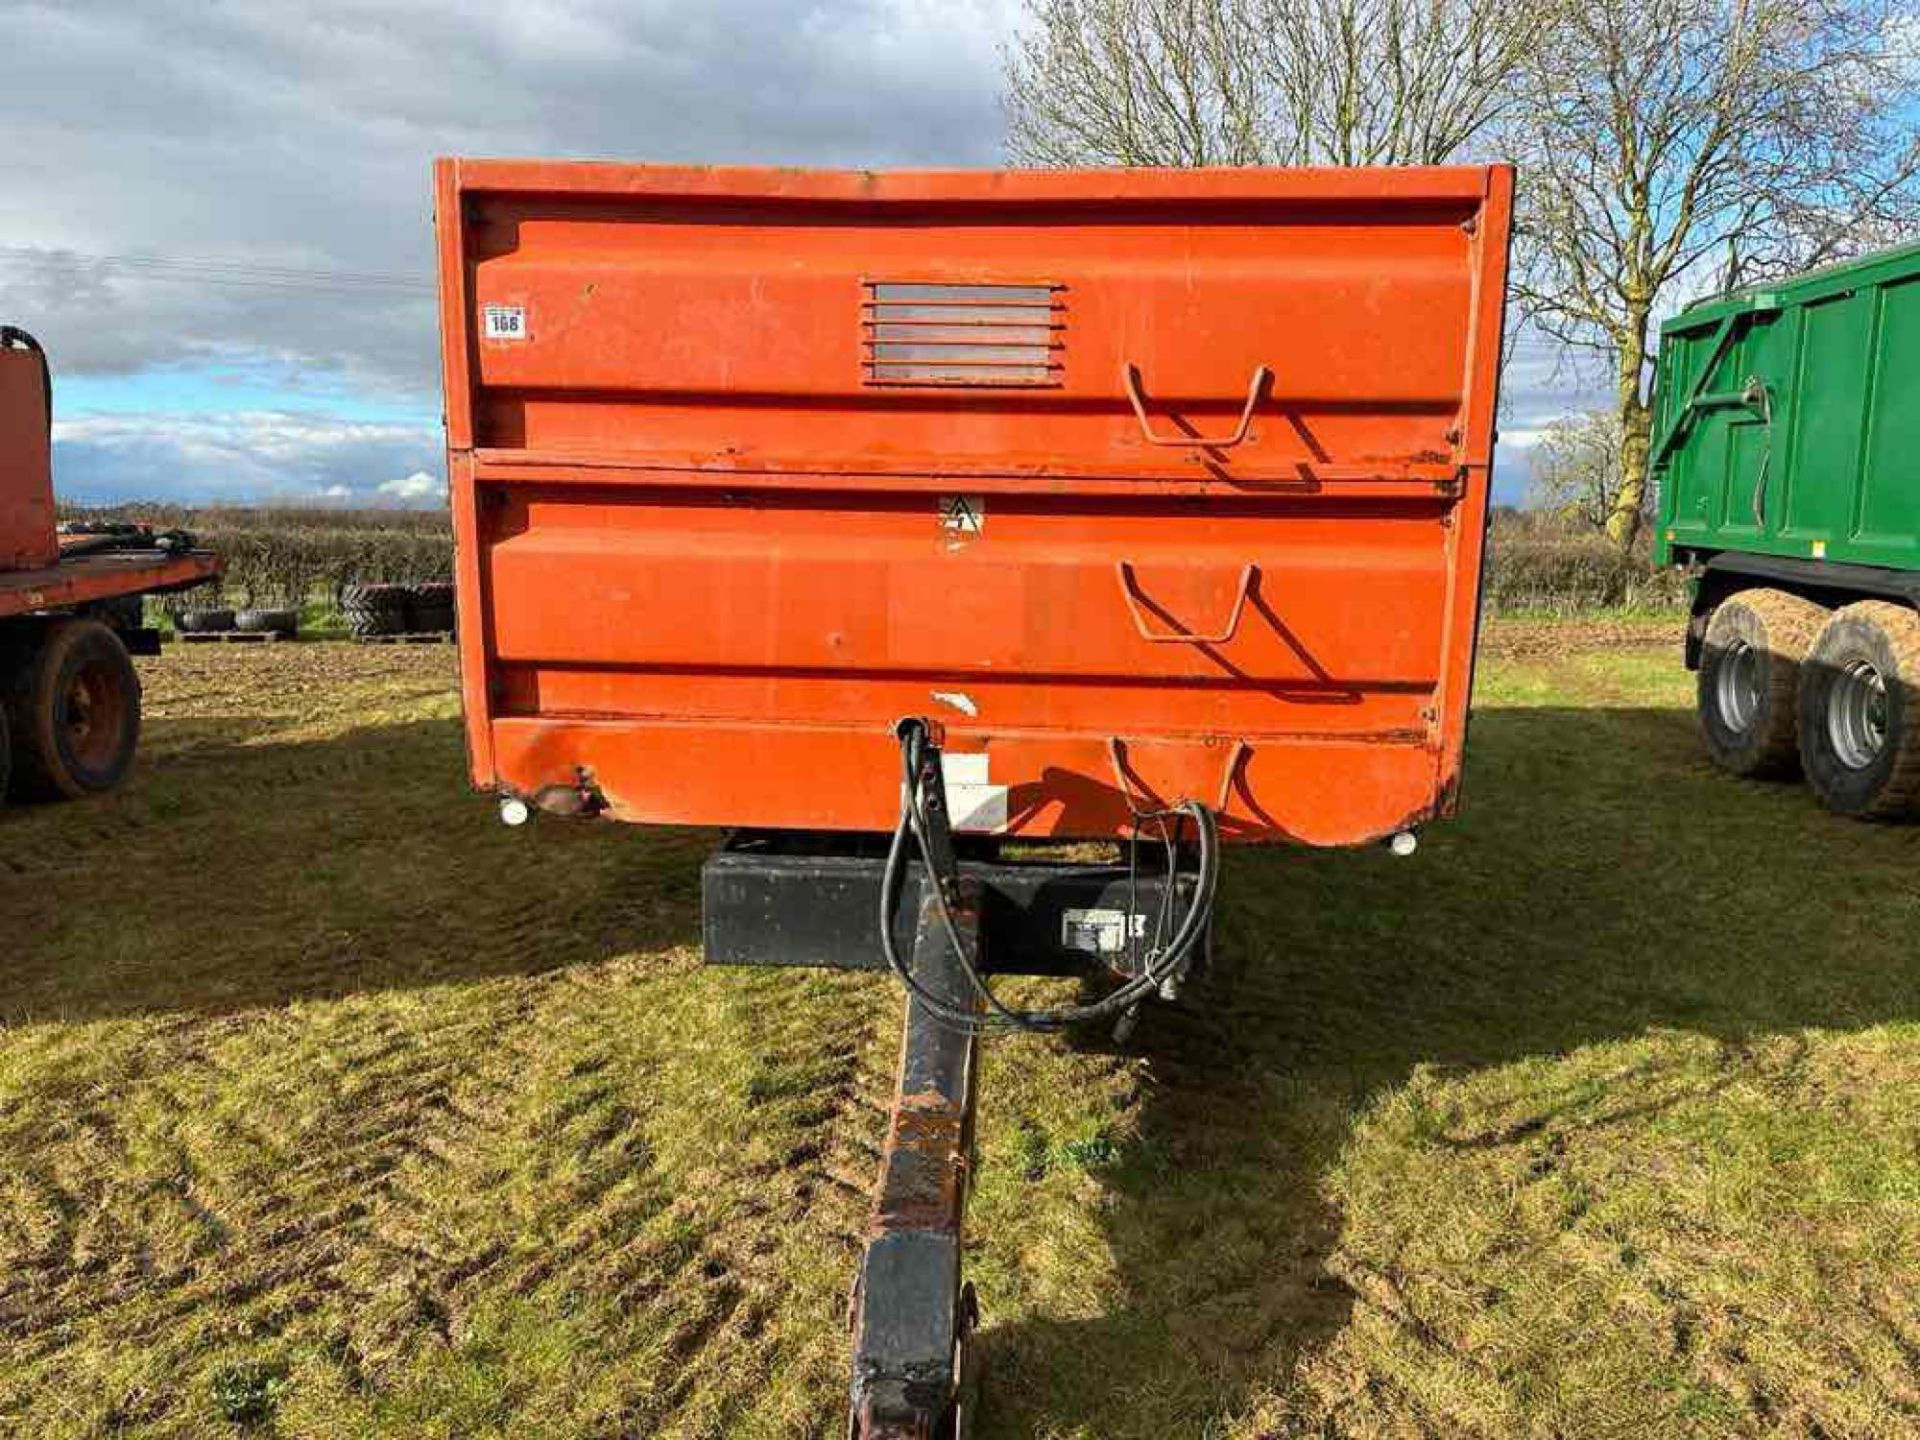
{"points": [[963, 514]]}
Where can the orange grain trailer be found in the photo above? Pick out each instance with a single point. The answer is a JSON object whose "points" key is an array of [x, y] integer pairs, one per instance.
{"points": [[883, 517]]}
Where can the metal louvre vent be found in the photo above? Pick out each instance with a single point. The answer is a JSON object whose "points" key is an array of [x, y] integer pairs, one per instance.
{"points": [[927, 334]]}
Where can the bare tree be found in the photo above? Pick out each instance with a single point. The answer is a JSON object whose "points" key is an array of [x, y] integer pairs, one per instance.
{"points": [[1262, 82], [1688, 143], [1576, 468]]}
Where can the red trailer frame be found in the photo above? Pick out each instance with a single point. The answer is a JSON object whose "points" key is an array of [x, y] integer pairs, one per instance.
{"points": [[103, 576], [70, 721]]}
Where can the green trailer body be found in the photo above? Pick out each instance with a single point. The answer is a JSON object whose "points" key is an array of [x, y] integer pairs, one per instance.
{"points": [[1787, 420], [1786, 452]]}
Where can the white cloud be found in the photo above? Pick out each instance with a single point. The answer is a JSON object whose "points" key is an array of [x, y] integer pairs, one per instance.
{"points": [[296, 135], [419, 488], [285, 133], [242, 456]]}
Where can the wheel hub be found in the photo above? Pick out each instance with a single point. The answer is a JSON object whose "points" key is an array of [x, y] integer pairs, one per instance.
{"points": [[93, 717], [1857, 715], [1737, 686], [79, 713]]}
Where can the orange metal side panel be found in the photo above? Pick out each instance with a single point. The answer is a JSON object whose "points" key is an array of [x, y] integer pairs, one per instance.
{"points": [[1146, 485], [26, 478]]}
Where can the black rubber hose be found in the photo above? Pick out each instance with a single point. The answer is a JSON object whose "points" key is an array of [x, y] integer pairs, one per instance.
{"points": [[1157, 970]]}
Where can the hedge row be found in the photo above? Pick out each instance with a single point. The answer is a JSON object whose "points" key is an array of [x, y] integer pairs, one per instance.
{"points": [[283, 557], [292, 557], [268, 565], [1574, 575]]}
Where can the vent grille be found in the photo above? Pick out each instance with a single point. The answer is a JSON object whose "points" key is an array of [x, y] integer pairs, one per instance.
{"points": [[924, 334]]}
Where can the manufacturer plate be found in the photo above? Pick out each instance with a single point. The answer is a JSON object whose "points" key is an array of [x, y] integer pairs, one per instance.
{"points": [[504, 322]]}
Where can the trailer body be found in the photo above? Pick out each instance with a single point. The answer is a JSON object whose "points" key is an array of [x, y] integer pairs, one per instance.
{"points": [[1139, 484], [1787, 419], [1786, 444]]}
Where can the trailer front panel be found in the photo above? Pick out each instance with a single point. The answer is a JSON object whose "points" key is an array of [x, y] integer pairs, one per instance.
{"points": [[1141, 485]]}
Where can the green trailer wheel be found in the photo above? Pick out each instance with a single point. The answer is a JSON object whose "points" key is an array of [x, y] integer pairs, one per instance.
{"points": [[1859, 711], [1749, 680]]}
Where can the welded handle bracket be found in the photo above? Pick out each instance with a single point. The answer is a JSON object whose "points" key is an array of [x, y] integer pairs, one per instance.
{"points": [[1137, 604], [1261, 376], [1135, 790]]}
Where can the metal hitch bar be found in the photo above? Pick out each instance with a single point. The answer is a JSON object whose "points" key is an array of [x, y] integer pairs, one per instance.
{"points": [[911, 1313], [770, 899]]}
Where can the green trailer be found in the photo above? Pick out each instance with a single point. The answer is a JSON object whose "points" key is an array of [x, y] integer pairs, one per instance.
{"points": [[1786, 450]]}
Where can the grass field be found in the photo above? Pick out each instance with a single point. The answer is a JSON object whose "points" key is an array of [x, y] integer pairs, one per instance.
{"points": [[329, 1107]]}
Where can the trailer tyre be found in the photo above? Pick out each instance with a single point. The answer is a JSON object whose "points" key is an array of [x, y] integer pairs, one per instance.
{"points": [[284, 623], [1749, 678], [374, 609], [73, 705], [203, 622], [6, 753], [1860, 711], [430, 608]]}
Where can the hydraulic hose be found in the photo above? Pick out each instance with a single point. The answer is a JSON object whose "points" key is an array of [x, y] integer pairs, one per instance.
{"points": [[1161, 965]]}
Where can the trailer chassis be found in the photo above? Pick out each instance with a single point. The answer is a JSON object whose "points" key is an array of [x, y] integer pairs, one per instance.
{"points": [[812, 900]]}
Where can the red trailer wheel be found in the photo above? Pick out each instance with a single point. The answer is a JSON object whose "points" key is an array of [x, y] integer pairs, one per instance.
{"points": [[74, 706]]}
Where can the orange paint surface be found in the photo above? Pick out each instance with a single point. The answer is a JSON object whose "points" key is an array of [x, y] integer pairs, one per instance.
{"points": [[26, 478], [1145, 485]]}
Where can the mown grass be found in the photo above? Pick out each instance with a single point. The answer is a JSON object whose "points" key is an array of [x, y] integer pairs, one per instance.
{"points": [[328, 1107]]}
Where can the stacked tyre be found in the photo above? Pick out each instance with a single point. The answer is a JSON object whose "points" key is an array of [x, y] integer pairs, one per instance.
{"points": [[1787, 685], [430, 607], [419, 609], [204, 622], [371, 610], [284, 623]]}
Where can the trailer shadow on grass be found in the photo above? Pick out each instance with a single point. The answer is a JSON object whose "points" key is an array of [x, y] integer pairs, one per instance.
{"points": [[1373, 1028], [238, 870]]}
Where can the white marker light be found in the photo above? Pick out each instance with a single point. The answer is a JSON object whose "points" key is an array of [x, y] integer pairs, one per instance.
{"points": [[1404, 844], [514, 811]]}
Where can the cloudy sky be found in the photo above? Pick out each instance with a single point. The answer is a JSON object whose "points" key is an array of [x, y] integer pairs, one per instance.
{"points": [[215, 213]]}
